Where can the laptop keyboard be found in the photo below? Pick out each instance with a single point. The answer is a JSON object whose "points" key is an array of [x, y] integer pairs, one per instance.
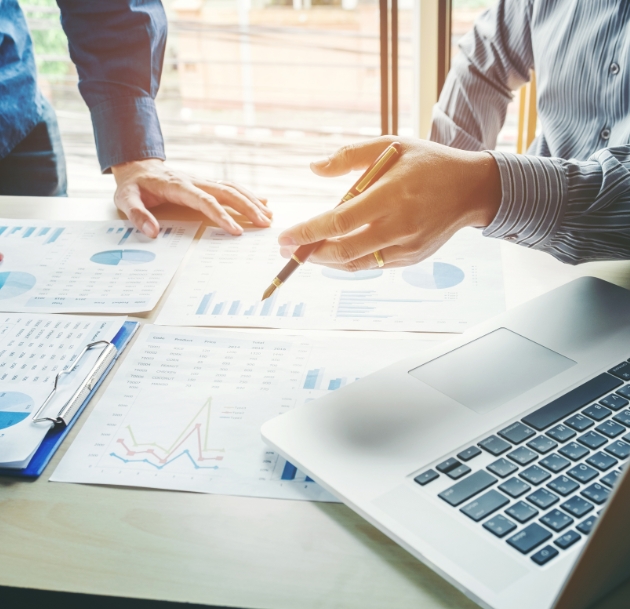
{"points": [[540, 482]]}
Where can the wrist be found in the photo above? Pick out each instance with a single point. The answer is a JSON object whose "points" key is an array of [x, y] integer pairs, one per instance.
{"points": [[485, 195], [131, 166]]}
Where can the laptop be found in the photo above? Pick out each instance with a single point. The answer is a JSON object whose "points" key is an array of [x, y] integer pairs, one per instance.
{"points": [[497, 458]]}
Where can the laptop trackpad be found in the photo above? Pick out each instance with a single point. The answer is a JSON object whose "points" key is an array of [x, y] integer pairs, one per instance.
{"points": [[492, 370]]}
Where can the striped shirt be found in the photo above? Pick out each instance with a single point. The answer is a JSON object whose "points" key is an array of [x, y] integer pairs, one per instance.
{"points": [[570, 195]]}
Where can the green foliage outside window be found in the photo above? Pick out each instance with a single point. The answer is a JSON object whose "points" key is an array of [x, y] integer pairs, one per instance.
{"points": [[49, 39]]}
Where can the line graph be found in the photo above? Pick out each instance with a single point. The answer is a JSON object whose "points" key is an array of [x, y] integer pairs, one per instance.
{"points": [[193, 443]]}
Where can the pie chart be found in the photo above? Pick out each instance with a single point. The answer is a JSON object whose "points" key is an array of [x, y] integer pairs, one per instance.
{"points": [[433, 276], [14, 407], [347, 276], [15, 283], [123, 257]]}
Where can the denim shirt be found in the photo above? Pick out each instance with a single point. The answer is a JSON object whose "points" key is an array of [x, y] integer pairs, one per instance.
{"points": [[118, 49]]}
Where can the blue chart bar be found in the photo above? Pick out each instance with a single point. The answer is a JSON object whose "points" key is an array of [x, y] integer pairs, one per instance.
{"points": [[251, 310], [55, 235], [289, 471], [314, 378], [28, 232], [15, 229], [283, 310], [120, 230], [299, 310], [266, 308], [110, 229], [235, 307], [125, 236], [309, 479], [43, 231], [336, 383], [218, 309], [205, 304], [2, 229], [167, 232]]}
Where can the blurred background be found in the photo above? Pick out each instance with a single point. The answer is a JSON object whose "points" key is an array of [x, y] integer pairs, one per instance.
{"points": [[253, 90]]}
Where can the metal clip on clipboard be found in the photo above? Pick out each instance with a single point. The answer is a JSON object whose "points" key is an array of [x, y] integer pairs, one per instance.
{"points": [[69, 409]]}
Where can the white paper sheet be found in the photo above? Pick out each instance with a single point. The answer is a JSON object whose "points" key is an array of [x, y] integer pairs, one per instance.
{"points": [[33, 350], [185, 409], [225, 277], [87, 267]]}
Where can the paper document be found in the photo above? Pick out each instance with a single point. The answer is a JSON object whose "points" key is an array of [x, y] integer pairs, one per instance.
{"points": [[185, 409], [33, 350], [87, 267], [224, 280]]}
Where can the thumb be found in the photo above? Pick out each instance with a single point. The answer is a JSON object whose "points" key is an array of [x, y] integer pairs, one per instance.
{"points": [[128, 200], [351, 157]]}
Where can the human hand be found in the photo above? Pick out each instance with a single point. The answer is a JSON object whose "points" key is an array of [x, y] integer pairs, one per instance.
{"points": [[430, 193], [142, 185]]}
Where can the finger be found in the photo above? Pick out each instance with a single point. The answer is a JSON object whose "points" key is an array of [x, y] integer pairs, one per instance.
{"points": [[335, 223], [260, 201], [1, 257], [393, 257], [129, 201], [191, 196], [351, 157], [227, 195]]}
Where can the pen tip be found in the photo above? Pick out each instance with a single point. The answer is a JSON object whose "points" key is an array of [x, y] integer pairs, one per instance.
{"points": [[268, 292]]}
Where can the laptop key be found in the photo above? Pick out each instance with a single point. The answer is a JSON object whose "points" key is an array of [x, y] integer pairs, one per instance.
{"points": [[517, 433], [542, 445], [534, 475], [614, 401], [542, 498], [610, 429], [601, 461], [573, 451], [597, 412], [618, 449], [514, 487], [596, 493], [563, 486], [566, 540], [610, 479], [522, 455], [561, 433], [592, 440], [469, 453], [529, 538], [425, 477], [623, 417], [467, 488], [542, 557], [576, 506], [568, 403], [554, 463], [621, 371], [458, 472], [495, 446], [556, 520], [448, 465], [521, 511], [582, 473], [502, 467], [485, 505], [499, 525], [624, 391], [579, 422], [587, 526]]}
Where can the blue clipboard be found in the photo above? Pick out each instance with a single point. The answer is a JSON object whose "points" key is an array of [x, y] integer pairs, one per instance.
{"points": [[56, 435]]}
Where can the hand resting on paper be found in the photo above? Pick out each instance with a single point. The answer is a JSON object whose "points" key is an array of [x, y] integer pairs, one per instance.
{"points": [[430, 193], [145, 184]]}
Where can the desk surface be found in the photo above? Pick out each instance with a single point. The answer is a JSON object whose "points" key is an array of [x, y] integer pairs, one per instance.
{"points": [[221, 550]]}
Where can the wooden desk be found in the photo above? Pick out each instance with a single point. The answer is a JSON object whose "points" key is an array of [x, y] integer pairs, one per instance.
{"points": [[219, 550]]}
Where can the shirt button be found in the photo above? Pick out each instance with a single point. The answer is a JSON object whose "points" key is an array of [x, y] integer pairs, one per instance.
{"points": [[614, 68], [605, 133]]}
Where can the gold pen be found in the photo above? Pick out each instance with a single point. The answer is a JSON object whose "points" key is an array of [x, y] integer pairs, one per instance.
{"points": [[370, 175]]}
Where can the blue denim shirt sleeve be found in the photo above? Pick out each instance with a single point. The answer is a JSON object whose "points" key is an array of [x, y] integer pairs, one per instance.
{"points": [[118, 48]]}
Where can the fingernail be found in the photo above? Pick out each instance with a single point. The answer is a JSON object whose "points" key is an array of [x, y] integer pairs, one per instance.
{"points": [[148, 229], [321, 162], [286, 252], [282, 240]]}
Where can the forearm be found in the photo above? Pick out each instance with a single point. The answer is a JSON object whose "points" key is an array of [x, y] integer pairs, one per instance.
{"points": [[575, 211]]}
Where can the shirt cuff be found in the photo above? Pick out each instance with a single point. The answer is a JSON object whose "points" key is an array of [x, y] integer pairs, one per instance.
{"points": [[127, 129], [534, 199]]}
